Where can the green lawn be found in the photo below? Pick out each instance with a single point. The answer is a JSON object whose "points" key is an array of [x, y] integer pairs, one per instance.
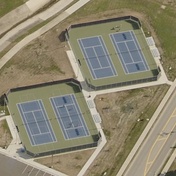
{"points": [[8, 5], [162, 20]]}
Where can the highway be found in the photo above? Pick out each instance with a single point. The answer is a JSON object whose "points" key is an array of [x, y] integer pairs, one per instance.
{"points": [[158, 144]]}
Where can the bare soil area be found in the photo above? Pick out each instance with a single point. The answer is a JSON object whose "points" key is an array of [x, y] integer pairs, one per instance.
{"points": [[5, 135], [70, 163]]}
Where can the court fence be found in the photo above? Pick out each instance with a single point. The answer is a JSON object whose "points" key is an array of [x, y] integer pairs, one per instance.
{"points": [[120, 84], [69, 80], [130, 18], [96, 138]]}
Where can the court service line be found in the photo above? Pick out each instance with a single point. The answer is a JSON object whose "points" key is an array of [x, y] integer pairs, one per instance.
{"points": [[89, 65], [97, 58], [58, 116], [78, 110], [140, 50], [111, 64], [47, 122], [129, 52], [25, 124], [121, 58]]}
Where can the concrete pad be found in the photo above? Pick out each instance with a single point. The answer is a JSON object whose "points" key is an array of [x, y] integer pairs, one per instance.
{"points": [[34, 5], [53, 10], [76, 6], [13, 17]]}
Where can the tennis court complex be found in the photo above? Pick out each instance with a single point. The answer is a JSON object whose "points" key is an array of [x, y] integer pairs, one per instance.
{"points": [[112, 52], [52, 118]]}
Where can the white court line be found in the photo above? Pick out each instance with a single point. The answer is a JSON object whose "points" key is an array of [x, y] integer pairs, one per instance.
{"points": [[45, 115], [57, 114], [89, 65], [140, 53], [32, 111], [97, 58], [80, 116], [135, 63], [28, 130], [129, 53], [107, 55], [125, 40], [87, 47], [119, 53], [100, 68], [36, 123]]}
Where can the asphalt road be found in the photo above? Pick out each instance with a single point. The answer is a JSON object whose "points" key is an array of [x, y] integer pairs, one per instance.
{"points": [[158, 144], [13, 167]]}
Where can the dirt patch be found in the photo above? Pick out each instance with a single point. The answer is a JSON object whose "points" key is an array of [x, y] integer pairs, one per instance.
{"points": [[69, 164], [5, 135], [120, 113]]}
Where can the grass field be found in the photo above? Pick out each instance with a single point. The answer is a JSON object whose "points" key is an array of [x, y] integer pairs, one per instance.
{"points": [[8, 5], [162, 20]]}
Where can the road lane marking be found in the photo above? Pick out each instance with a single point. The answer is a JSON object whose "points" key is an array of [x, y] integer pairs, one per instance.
{"points": [[149, 155], [146, 171]]}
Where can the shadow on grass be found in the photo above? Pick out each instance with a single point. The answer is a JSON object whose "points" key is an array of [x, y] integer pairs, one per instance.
{"points": [[171, 173]]}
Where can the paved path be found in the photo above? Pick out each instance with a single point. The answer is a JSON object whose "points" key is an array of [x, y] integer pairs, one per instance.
{"points": [[31, 22], [20, 13]]}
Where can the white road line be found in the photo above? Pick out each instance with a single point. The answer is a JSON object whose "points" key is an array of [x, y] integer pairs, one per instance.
{"points": [[24, 169], [31, 171]]}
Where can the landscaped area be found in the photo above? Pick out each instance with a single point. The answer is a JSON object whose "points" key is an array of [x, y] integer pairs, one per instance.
{"points": [[8, 5]]}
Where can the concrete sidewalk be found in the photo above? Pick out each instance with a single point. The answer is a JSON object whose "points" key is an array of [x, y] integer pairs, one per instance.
{"points": [[35, 20], [20, 13]]}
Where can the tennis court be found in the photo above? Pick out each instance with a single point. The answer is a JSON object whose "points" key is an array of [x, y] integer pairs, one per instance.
{"points": [[129, 52], [69, 116], [36, 122], [97, 57]]}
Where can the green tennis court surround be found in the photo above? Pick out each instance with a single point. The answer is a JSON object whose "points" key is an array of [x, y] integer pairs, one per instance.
{"points": [[112, 52], [45, 113]]}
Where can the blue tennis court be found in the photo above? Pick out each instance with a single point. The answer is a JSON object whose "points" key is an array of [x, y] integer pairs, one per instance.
{"points": [[36, 122], [97, 57], [129, 52], [69, 116]]}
